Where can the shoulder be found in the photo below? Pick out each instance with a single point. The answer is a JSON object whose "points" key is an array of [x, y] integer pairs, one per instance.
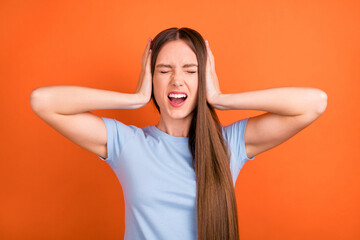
{"points": [[115, 124], [123, 132], [234, 135], [234, 130]]}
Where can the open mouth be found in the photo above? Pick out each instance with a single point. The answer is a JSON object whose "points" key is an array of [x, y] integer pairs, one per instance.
{"points": [[177, 99]]}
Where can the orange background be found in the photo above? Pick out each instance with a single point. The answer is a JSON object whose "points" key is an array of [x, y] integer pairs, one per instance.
{"points": [[306, 188]]}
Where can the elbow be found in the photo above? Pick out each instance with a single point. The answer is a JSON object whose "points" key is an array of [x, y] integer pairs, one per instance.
{"points": [[34, 99], [37, 101], [321, 102], [318, 103]]}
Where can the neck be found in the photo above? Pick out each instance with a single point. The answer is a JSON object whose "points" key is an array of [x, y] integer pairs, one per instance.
{"points": [[175, 127]]}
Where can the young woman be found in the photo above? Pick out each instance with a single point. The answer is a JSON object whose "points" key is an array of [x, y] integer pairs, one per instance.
{"points": [[178, 176]]}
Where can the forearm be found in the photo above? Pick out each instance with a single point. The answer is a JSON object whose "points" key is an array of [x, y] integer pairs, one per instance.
{"points": [[69, 99], [288, 101]]}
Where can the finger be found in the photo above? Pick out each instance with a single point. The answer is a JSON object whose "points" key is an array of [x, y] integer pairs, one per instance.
{"points": [[146, 52], [148, 63], [210, 56], [147, 48], [207, 48], [148, 58], [148, 44], [211, 59], [208, 63]]}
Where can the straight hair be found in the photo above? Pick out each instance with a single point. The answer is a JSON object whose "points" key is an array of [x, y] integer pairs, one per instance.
{"points": [[215, 196]]}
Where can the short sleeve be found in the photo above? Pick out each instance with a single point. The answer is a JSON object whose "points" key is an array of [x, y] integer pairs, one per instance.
{"points": [[235, 133], [118, 134]]}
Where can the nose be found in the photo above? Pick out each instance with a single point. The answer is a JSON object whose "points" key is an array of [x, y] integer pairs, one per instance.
{"points": [[177, 79]]}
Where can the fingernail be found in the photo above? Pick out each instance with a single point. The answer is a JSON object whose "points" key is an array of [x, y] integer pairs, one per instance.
{"points": [[207, 43]]}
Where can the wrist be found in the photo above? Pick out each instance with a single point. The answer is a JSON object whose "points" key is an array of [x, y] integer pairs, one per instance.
{"points": [[140, 100], [218, 101], [214, 99]]}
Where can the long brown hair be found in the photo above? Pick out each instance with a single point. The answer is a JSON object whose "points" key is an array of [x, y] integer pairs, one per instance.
{"points": [[215, 195]]}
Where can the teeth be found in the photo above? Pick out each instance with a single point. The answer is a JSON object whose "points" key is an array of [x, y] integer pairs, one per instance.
{"points": [[173, 95]]}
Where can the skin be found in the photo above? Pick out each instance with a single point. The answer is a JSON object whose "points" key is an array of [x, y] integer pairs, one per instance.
{"points": [[175, 77], [288, 109]]}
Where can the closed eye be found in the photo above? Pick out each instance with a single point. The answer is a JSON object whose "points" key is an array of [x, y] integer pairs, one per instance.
{"points": [[167, 72]]}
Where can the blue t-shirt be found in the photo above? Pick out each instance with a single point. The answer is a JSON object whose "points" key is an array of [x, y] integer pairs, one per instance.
{"points": [[157, 178]]}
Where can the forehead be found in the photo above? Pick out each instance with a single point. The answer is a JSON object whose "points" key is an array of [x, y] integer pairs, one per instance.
{"points": [[176, 53]]}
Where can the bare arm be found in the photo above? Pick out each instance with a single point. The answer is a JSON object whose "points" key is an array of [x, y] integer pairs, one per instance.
{"points": [[69, 99], [289, 110], [66, 108]]}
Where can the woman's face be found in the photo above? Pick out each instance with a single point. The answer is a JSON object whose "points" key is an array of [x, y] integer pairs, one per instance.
{"points": [[175, 80]]}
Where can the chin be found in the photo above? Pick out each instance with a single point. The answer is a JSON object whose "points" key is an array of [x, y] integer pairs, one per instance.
{"points": [[176, 114], [180, 115]]}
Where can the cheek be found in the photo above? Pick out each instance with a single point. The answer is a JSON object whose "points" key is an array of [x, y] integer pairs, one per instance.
{"points": [[157, 88], [194, 86]]}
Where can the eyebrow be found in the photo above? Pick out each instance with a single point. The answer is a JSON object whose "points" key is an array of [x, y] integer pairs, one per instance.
{"points": [[169, 66]]}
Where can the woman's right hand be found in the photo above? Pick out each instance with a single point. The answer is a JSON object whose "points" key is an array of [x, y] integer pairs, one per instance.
{"points": [[144, 85]]}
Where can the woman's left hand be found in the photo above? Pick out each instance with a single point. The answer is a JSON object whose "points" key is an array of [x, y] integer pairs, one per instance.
{"points": [[212, 82]]}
